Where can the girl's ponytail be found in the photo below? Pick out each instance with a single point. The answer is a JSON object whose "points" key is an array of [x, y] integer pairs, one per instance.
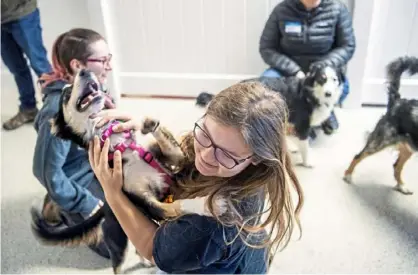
{"points": [[59, 72]]}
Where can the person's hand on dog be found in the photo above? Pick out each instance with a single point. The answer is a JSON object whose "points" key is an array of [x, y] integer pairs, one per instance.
{"points": [[128, 122], [109, 104], [110, 179], [317, 66], [112, 114], [300, 75]]}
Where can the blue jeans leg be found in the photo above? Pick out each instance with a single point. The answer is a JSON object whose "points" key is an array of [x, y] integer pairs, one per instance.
{"points": [[271, 73], [346, 91], [19, 38]]}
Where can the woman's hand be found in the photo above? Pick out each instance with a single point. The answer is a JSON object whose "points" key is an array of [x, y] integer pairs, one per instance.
{"points": [[111, 114], [110, 179], [128, 124]]}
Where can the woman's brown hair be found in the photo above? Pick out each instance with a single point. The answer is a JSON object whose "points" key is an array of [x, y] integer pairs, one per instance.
{"points": [[73, 44], [261, 116]]}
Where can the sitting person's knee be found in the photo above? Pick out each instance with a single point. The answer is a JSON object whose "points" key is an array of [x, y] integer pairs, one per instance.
{"points": [[271, 73], [345, 91]]}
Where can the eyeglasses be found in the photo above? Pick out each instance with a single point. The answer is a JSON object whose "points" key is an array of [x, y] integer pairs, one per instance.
{"points": [[223, 157], [104, 60]]}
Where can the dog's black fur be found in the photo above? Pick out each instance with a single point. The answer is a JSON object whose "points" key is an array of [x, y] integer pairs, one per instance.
{"points": [[398, 126]]}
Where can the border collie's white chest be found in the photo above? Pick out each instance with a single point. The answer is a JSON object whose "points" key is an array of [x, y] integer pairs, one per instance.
{"points": [[320, 114]]}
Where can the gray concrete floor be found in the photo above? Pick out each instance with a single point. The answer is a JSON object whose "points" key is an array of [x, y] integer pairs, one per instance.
{"points": [[362, 228]]}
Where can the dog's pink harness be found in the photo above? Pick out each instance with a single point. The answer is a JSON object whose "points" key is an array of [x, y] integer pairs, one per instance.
{"points": [[142, 152]]}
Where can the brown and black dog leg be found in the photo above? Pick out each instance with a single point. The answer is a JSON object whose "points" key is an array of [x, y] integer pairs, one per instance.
{"points": [[383, 136], [356, 160], [170, 148], [405, 152]]}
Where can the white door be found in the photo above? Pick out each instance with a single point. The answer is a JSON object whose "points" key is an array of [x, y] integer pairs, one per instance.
{"points": [[394, 33]]}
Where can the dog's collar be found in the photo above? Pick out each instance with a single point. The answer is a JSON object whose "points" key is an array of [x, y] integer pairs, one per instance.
{"points": [[142, 152]]}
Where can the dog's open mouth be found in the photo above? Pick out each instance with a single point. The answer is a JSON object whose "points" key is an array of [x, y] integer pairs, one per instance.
{"points": [[91, 94]]}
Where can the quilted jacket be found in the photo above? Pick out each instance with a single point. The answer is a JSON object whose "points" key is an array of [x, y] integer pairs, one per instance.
{"points": [[294, 38]]}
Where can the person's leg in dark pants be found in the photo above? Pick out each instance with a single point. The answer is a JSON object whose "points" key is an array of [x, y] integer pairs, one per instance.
{"points": [[19, 38], [29, 38]]}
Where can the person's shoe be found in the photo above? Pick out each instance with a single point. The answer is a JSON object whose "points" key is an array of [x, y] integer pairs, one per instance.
{"points": [[330, 125], [22, 117], [312, 134], [328, 130], [203, 99]]}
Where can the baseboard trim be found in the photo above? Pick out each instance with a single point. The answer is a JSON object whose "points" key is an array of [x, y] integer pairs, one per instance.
{"points": [[374, 105], [176, 97]]}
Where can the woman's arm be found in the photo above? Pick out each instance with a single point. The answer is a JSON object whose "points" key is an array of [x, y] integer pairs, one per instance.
{"points": [[139, 229], [269, 47], [345, 42]]}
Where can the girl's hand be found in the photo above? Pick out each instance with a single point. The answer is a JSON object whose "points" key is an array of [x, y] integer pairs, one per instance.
{"points": [[128, 124], [111, 114], [110, 179]]}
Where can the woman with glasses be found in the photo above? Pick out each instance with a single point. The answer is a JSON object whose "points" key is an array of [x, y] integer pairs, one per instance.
{"points": [[237, 150], [73, 192]]}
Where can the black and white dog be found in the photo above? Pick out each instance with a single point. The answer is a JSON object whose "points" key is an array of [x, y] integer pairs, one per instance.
{"points": [[398, 127], [310, 101]]}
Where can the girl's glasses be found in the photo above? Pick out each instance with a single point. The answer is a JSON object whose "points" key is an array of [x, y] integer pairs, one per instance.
{"points": [[223, 157], [104, 60]]}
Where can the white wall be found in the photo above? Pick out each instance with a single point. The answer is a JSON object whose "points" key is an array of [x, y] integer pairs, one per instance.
{"points": [[181, 47]]}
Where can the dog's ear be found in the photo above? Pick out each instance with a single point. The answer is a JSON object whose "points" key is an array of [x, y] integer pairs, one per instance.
{"points": [[66, 92], [309, 79]]}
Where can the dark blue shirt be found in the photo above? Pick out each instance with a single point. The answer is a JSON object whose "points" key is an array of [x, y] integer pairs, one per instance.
{"points": [[196, 244]]}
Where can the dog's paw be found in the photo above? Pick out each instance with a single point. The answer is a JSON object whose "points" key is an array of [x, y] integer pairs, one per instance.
{"points": [[400, 188], [149, 125], [220, 206], [306, 164], [143, 261], [348, 178]]}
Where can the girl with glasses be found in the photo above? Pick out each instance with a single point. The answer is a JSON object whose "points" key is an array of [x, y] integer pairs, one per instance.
{"points": [[237, 150], [73, 192]]}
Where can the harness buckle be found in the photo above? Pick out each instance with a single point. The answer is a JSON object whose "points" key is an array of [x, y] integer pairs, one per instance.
{"points": [[148, 157]]}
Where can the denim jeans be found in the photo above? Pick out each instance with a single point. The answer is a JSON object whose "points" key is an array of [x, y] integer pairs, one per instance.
{"points": [[20, 38]]}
